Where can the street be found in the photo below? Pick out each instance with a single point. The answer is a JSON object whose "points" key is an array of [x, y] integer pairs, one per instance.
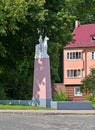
{"points": [[46, 122]]}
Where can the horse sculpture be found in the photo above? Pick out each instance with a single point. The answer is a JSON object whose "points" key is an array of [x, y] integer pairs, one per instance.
{"points": [[41, 48]]}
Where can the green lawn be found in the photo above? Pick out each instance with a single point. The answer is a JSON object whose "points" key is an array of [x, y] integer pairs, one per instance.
{"points": [[25, 107], [21, 107]]}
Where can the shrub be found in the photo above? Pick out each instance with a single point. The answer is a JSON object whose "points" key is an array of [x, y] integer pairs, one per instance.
{"points": [[60, 96], [2, 94], [91, 98]]}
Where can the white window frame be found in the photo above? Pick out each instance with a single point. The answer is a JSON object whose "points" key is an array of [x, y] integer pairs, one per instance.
{"points": [[77, 93], [74, 73], [74, 55], [92, 55]]}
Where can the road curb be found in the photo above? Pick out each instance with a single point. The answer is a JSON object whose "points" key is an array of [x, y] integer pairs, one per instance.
{"points": [[49, 112]]}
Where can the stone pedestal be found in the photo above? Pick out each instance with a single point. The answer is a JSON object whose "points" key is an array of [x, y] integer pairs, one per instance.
{"points": [[42, 82]]}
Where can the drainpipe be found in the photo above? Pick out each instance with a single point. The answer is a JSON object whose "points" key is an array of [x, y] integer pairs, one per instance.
{"points": [[85, 62]]}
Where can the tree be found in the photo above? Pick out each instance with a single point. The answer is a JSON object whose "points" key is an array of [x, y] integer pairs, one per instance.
{"points": [[20, 21], [88, 84], [18, 43], [12, 12], [57, 25], [84, 10], [12, 15]]}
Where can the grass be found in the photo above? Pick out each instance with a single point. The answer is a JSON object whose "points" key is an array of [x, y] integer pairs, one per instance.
{"points": [[93, 105], [21, 107], [25, 107]]}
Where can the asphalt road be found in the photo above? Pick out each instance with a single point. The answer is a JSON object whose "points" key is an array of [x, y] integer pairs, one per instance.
{"points": [[46, 122]]}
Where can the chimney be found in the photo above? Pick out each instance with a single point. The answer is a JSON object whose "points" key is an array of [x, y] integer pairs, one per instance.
{"points": [[77, 23]]}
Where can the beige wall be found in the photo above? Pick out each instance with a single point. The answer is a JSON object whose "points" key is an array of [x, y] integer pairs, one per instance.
{"points": [[85, 64], [90, 62]]}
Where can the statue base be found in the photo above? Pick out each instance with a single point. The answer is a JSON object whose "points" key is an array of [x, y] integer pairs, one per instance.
{"points": [[42, 83]]}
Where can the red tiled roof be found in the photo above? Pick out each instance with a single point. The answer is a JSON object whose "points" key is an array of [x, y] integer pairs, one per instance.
{"points": [[82, 36]]}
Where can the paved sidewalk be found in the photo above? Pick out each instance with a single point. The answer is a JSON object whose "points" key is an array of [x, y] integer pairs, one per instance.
{"points": [[51, 112]]}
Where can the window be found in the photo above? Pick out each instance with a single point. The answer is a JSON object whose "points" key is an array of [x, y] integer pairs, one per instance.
{"points": [[74, 55], [77, 91], [74, 73], [92, 71], [93, 38], [93, 55]]}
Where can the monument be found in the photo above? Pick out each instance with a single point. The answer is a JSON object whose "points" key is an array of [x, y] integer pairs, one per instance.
{"points": [[42, 81]]}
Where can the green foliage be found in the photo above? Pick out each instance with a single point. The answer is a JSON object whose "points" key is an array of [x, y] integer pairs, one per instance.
{"points": [[2, 92], [93, 105], [19, 81], [21, 107], [54, 59], [19, 22], [12, 12], [90, 97], [2, 50], [84, 10], [88, 84], [60, 96]]}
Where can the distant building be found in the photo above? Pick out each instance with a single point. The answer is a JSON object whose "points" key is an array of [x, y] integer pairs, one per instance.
{"points": [[78, 60]]}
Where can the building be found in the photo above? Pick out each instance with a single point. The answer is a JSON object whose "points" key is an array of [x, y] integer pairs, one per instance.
{"points": [[78, 60]]}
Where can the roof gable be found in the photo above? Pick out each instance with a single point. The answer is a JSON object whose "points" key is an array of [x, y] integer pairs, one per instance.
{"points": [[82, 36]]}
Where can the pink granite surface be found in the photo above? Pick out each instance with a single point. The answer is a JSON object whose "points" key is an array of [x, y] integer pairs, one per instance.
{"points": [[42, 82]]}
